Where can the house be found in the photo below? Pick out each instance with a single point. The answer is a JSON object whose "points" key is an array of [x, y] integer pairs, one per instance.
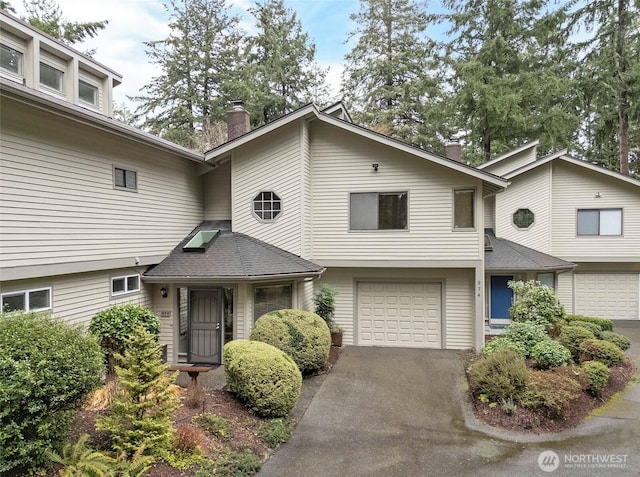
{"points": [[581, 214], [96, 213]]}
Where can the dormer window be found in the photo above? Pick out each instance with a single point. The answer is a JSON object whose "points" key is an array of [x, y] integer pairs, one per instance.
{"points": [[51, 77], [11, 60], [88, 93]]}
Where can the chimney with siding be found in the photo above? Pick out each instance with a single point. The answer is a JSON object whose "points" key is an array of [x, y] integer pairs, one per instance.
{"points": [[454, 150], [237, 121]]}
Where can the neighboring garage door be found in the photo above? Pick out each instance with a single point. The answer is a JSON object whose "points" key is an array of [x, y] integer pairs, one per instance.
{"points": [[407, 315], [607, 295]]}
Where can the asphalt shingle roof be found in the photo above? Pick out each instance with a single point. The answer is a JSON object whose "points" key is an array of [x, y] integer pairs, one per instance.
{"points": [[231, 256], [508, 255]]}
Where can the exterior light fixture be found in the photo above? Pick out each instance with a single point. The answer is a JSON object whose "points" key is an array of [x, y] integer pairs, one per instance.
{"points": [[375, 166], [164, 293], [598, 195]]}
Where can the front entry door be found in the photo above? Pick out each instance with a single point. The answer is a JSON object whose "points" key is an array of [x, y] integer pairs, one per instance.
{"points": [[205, 326], [501, 298]]}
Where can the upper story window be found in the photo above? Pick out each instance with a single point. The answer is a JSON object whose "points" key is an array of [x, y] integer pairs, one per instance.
{"points": [[378, 211], [51, 77], [463, 209], [11, 60], [599, 222], [267, 206], [88, 93], [126, 284], [125, 179], [523, 218], [38, 299]]}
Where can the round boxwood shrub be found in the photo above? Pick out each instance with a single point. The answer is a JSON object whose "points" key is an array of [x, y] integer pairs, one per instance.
{"points": [[263, 376], [527, 334], [600, 350], [114, 325], [500, 343], [593, 327], [598, 376], [550, 354], [501, 375], [46, 369], [616, 338], [571, 337], [303, 335]]}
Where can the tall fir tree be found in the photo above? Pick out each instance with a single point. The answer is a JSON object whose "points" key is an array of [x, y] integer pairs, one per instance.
{"points": [[282, 73], [609, 82], [199, 64], [387, 80], [511, 75]]}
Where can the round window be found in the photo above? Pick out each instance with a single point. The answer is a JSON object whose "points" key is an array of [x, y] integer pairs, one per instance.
{"points": [[523, 218], [267, 206]]}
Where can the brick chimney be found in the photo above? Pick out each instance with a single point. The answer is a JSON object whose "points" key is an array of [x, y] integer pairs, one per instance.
{"points": [[454, 150], [237, 120]]}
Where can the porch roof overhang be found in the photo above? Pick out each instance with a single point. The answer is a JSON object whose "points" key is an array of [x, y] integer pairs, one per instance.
{"points": [[230, 257], [502, 255]]}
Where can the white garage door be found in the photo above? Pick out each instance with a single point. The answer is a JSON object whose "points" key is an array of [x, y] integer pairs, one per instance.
{"points": [[607, 295], [407, 315]]}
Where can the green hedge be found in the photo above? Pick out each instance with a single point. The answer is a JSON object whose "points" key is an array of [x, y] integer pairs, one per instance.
{"points": [[616, 338], [46, 369], [303, 335], [264, 377], [600, 350], [593, 327], [603, 323]]}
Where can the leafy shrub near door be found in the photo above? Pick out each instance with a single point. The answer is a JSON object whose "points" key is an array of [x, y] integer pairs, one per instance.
{"points": [[303, 335], [535, 303], [264, 377], [46, 369]]}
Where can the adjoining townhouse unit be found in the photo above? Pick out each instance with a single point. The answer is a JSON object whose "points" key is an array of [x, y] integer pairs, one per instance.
{"points": [[586, 216]]}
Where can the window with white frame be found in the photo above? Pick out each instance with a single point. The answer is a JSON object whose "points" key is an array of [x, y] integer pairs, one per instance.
{"points": [[51, 77], [125, 284], [463, 209], [38, 299], [11, 60], [125, 178], [378, 210], [268, 298], [547, 279], [523, 218], [267, 206], [87, 93], [599, 222]]}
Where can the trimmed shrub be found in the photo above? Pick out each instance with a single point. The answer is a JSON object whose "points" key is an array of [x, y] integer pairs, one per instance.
{"points": [[303, 335], [500, 343], [46, 368], [573, 372], [550, 354], [526, 334], [616, 338], [500, 375], [603, 323], [264, 377], [535, 303], [552, 392], [571, 337], [598, 376], [325, 301], [600, 350], [114, 325], [594, 328]]}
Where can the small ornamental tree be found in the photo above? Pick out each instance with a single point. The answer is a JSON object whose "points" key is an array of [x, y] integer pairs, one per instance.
{"points": [[325, 301], [114, 325], [142, 411], [535, 303]]}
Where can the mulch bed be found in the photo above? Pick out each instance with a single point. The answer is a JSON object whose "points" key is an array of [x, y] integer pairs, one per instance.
{"points": [[536, 422]]}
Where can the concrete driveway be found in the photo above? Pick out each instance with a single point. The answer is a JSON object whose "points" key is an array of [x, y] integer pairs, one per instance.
{"points": [[400, 412]]}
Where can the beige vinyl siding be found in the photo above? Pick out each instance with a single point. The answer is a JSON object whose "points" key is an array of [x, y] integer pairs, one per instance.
{"points": [[77, 298], [457, 305], [564, 290], [342, 164], [269, 164], [512, 163], [531, 190], [59, 204], [217, 193], [575, 187], [306, 196], [490, 212]]}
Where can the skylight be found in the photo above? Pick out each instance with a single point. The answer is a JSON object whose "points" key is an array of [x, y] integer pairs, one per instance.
{"points": [[200, 241]]}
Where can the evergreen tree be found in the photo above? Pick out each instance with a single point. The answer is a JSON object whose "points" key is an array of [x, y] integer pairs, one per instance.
{"points": [[387, 79], [47, 16], [142, 411], [200, 64], [282, 74], [5, 5], [511, 75], [610, 82]]}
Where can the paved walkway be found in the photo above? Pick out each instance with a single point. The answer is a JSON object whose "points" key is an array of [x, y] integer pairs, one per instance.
{"points": [[399, 412]]}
